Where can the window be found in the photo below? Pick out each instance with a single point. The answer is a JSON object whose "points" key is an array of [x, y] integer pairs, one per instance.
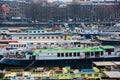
{"points": [[20, 37], [56, 37], [58, 55], [34, 37], [70, 54], [66, 54], [96, 75], [52, 37], [74, 54], [24, 45], [29, 37], [43, 37], [78, 54], [25, 37], [48, 37], [109, 53], [110, 50], [101, 53], [62, 54], [34, 31], [89, 75], [82, 75], [61, 37], [92, 54]]}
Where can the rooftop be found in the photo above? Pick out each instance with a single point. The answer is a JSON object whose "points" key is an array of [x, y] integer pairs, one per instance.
{"points": [[117, 63], [112, 74], [107, 47], [70, 50], [103, 63]]}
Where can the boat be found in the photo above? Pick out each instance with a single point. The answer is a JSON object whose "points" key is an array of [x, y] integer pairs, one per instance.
{"points": [[87, 32], [110, 39], [109, 35], [74, 57]]}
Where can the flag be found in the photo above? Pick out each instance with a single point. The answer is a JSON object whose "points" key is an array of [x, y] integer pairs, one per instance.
{"points": [[5, 8]]}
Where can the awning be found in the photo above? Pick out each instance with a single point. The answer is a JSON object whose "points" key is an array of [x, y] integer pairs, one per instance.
{"points": [[117, 63], [104, 63], [112, 74]]}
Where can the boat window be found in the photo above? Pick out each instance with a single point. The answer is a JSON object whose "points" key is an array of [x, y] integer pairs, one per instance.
{"points": [[61, 37], [43, 37], [20, 37], [48, 37], [92, 54], [25, 37], [66, 54], [34, 37], [62, 54], [24, 45], [110, 50], [96, 75], [58, 54], [70, 54], [11, 46], [34, 31], [109, 53], [56, 37], [82, 75], [38, 31], [16, 45], [74, 54], [101, 53], [52, 37], [89, 75], [30, 31], [29, 37], [42, 31], [78, 54]]}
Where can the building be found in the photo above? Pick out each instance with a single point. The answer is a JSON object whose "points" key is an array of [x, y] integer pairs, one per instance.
{"points": [[17, 8], [1, 11], [78, 1]]}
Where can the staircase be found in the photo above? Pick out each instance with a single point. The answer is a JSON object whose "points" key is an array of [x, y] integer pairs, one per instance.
{"points": [[29, 65]]}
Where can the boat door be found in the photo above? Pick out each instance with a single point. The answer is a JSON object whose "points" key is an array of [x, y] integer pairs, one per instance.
{"points": [[33, 57], [30, 57]]}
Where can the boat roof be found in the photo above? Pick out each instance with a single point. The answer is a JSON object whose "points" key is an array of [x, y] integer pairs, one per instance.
{"points": [[70, 50], [117, 63], [112, 74], [107, 47], [106, 63], [36, 52], [36, 34]]}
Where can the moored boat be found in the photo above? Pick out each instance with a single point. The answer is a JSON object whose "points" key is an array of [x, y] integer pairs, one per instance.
{"points": [[78, 57]]}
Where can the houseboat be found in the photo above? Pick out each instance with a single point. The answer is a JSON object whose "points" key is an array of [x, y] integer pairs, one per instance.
{"points": [[74, 57]]}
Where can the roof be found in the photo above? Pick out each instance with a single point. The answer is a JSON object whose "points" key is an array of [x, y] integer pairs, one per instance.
{"points": [[112, 74], [117, 63], [107, 47], [103, 63], [71, 50], [34, 34]]}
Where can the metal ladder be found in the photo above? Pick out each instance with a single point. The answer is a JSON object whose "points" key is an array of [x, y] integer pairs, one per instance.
{"points": [[29, 65]]}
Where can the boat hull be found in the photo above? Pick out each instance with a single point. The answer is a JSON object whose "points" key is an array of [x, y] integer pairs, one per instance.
{"points": [[88, 36], [110, 42], [75, 63]]}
